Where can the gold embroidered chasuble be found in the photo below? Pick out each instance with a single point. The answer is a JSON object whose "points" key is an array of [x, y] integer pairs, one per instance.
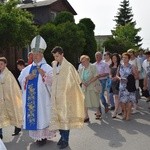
{"points": [[10, 100], [67, 98]]}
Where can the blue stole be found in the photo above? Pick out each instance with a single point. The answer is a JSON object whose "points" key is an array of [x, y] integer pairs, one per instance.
{"points": [[31, 100]]}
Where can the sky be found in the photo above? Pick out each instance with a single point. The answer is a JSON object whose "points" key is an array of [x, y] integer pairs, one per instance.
{"points": [[102, 13]]}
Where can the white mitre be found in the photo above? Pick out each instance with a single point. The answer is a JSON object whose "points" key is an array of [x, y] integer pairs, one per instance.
{"points": [[38, 44]]}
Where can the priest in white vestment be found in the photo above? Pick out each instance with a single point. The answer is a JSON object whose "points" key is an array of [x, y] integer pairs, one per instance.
{"points": [[36, 94]]}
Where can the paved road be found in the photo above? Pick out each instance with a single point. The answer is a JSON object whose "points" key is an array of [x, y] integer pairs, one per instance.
{"points": [[105, 134]]}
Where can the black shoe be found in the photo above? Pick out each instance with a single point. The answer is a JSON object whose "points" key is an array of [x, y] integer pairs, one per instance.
{"points": [[59, 142], [41, 142], [120, 114], [112, 108], [98, 117], [86, 120], [16, 132], [113, 116], [1, 136], [63, 145]]}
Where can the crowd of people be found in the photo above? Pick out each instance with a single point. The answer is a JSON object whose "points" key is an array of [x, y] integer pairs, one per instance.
{"points": [[123, 78], [51, 99]]}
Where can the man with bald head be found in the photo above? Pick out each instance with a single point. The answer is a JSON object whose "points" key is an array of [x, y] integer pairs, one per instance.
{"points": [[103, 70]]}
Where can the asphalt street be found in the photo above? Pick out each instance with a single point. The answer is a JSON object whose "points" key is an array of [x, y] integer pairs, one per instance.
{"points": [[104, 134]]}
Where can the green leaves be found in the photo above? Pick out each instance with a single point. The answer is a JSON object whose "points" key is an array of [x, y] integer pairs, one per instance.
{"points": [[64, 17], [90, 47], [125, 35], [16, 28], [67, 35]]}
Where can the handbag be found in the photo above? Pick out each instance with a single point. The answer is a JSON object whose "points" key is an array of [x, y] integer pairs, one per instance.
{"points": [[131, 83], [97, 86]]}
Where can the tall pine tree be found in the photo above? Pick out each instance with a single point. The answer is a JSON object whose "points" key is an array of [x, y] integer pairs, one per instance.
{"points": [[124, 18], [124, 14], [125, 34]]}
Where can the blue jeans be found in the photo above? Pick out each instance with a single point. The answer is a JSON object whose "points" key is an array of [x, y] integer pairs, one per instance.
{"points": [[108, 86], [102, 97], [111, 99], [64, 135], [1, 132]]}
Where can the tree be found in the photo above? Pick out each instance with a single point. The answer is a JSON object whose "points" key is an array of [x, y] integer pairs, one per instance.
{"points": [[16, 27], [67, 35], [63, 17], [88, 27], [71, 40], [50, 34], [124, 15], [125, 33], [114, 46]]}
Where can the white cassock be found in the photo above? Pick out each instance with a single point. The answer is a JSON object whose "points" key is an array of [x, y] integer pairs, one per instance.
{"points": [[2, 146], [43, 102]]}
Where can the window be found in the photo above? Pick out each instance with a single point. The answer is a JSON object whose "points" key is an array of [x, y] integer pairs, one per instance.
{"points": [[52, 15]]}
